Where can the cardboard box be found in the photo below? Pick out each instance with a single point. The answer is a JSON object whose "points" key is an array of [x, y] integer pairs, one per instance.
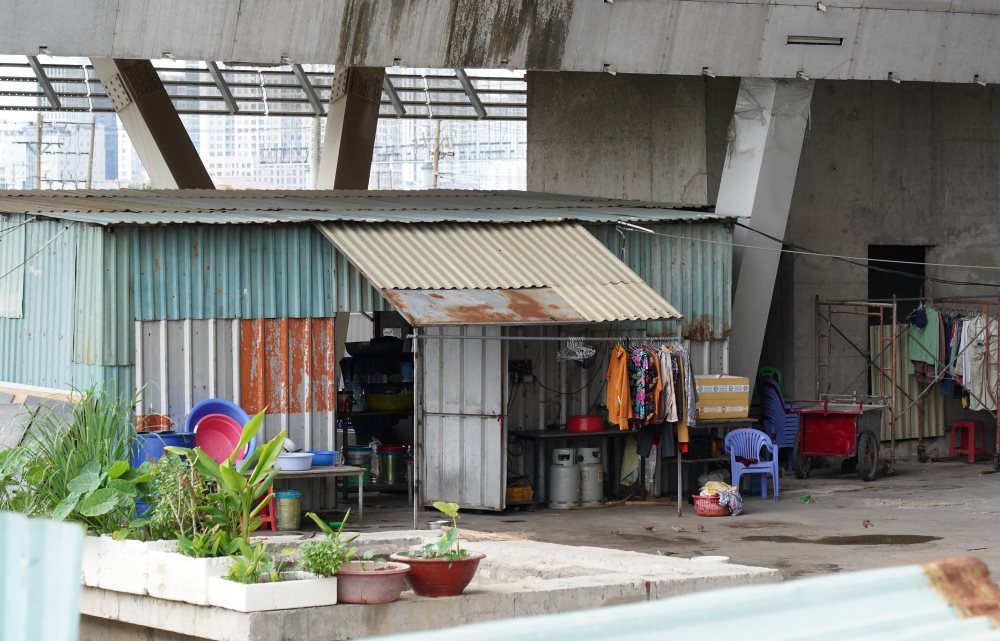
{"points": [[722, 396]]}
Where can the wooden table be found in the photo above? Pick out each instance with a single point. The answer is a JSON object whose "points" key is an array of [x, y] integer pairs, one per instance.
{"points": [[542, 438], [332, 471]]}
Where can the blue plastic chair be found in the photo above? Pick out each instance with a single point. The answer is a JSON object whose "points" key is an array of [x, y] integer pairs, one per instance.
{"points": [[781, 424], [753, 444]]}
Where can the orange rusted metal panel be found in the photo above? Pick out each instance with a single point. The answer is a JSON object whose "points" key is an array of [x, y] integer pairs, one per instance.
{"points": [[287, 365], [482, 306]]}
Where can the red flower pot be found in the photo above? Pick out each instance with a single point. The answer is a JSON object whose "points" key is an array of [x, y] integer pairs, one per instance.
{"points": [[437, 577]]}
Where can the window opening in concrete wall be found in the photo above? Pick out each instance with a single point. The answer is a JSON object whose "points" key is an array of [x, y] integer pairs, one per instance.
{"points": [[905, 281]]}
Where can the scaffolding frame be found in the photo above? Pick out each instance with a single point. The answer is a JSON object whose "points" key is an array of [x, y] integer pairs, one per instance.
{"points": [[884, 383]]}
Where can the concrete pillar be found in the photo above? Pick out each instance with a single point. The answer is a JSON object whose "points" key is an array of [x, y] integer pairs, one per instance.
{"points": [[152, 124], [758, 178], [643, 137], [351, 124]]}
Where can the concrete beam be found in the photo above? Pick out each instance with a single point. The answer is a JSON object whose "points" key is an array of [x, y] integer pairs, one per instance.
{"points": [[351, 124], [758, 178], [749, 38], [152, 124]]}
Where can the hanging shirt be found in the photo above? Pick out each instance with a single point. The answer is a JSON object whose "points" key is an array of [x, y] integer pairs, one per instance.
{"points": [[668, 400], [924, 342], [642, 384], [981, 362], [618, 399]]}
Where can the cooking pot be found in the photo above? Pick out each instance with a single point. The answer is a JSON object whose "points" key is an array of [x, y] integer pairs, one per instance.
{"points": [[585, 424]]}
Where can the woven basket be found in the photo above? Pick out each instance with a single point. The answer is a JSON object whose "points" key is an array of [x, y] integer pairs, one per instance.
{"points": [[709, 506]]}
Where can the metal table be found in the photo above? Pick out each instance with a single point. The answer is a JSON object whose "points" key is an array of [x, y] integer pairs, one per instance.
{"points": [[543, 438], [707, 424], [334, 471]]}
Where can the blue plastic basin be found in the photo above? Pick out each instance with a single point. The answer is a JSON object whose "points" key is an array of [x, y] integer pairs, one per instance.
{"points": [[324, 458], [149, 445]]}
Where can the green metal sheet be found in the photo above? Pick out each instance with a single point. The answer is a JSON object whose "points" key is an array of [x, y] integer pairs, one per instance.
{"points": [[232, 271], [40, 565], [689, 264], [917, 603], [103, 333], [11, 273]]}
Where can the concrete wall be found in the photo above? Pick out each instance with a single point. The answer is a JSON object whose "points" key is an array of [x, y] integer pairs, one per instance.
{"points": [[654, 138]]}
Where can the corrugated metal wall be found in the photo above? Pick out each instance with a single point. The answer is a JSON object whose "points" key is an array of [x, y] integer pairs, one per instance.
{"points": [[103, 324], [925, 419], [12, 234], [284, 365], [242, 271], [40, 564], [464, 437], [690, 265]]}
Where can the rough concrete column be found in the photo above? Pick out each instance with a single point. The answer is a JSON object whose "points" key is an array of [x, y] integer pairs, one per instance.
{"points": [[351, 124], [758, 178], [644, 137], [152, 124]]}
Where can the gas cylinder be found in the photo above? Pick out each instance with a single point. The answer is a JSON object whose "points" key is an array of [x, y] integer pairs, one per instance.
{"points": [[588, 459], [564, 480]]}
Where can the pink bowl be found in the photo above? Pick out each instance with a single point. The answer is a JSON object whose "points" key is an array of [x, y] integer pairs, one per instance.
{"points": [[218, 435]]}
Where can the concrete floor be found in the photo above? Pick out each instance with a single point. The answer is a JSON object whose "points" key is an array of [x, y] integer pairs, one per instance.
{"points": [[954, 501]]}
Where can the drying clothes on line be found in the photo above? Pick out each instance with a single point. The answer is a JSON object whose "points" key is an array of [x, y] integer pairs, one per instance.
{"points": [[618, 398], [662, 435], [980, 363], [923, 341], [668, 400]]}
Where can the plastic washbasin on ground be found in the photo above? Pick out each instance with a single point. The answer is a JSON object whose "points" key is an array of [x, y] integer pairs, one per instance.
{"points": [[218, 406], [149, 445], [218, 435]]}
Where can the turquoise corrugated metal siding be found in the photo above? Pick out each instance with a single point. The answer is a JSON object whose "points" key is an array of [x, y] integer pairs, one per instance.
{"points": [[103, 333], [916, 603], [40, 564], [240, 271], [689, 264], [37, 348], [11, 256]]}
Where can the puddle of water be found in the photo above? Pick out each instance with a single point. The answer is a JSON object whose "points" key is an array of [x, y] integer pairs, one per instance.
{"points": [[858, 539]]}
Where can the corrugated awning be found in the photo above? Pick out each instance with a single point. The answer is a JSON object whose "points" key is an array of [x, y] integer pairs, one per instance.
{"points": [[482, 273]]}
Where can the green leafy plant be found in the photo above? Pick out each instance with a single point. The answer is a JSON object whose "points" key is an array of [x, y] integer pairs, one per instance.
{"points": [[178, 495], [211, 543], [73, 466], [326, 556], [251, 563], [242, 487], [448, 547]]}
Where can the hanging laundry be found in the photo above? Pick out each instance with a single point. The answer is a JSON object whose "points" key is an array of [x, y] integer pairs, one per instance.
{"points": [[923, 342], [668, 400], [643, 384], [618, 398], [981, 363]]}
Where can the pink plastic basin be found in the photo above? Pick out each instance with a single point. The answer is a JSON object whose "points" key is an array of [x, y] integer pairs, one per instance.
{"points": [[218, 435]]}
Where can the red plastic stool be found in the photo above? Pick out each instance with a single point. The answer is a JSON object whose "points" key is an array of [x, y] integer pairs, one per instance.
{"points": [[966, 437], [267, 514]]}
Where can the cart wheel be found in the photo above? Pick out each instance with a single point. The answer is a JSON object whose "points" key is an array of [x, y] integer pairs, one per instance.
{"points": [[801, 464], [868, 445]]}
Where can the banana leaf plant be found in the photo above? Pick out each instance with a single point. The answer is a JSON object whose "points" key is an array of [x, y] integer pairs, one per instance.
{"points": [[243, 487]]}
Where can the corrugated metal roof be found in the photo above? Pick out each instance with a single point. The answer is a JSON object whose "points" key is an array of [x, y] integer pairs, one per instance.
{"points": [[952, 599], [166, 207], [532, 260]]}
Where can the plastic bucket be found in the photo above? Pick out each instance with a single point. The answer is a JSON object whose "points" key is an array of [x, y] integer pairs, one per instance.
{"points": [[392, 464], [288, 509]]}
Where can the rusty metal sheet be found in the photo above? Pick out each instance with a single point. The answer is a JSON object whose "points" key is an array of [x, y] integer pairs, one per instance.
{"points": [[482, 306]]}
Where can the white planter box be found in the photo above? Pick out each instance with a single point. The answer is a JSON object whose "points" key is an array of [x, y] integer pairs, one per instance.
{"points": [[282, 595], [176, 577], [120, 566]]}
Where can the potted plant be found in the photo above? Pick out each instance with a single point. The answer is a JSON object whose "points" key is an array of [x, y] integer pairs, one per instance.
{"points": [[443, 567], [370, 580], [256, 583]]}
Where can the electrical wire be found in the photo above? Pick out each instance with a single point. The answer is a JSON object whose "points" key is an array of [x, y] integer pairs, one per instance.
{"points": [[802, 251]]}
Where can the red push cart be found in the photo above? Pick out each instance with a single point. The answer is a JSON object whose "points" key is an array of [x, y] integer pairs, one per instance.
{"points": [[841, 426]]}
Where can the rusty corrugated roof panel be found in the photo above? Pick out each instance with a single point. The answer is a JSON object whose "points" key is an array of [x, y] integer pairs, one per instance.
{"points": [[173, 206], [541, 267]]}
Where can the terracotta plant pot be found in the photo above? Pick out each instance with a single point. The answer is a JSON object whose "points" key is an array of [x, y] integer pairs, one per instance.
{"points": [[370, 582], [437, 577]]}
